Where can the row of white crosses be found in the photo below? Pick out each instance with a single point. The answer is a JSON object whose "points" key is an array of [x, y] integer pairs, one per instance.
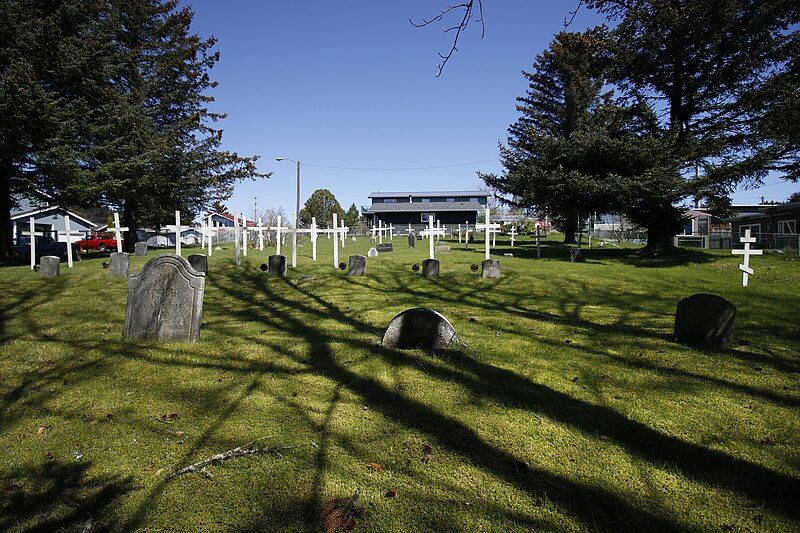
{"points": [[488, 228], [383, 231]]}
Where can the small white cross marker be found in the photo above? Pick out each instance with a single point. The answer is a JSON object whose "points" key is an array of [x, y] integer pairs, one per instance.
{"points": [[746, 252], [177, 229], [118, 232]]}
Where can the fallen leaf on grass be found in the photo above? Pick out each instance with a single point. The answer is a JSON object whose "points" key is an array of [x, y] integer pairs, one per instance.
{"points": [[605, 438], [427, 458], [41, 431], [391, 494], [11, 488], [427, 449], [109, 417], [340, 514], [50, 455], [768, 441], [375, 467]]}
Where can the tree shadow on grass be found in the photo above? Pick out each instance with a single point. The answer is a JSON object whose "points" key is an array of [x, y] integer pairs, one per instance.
{"points": [[628, 256], [776, 490], [57, 495]]}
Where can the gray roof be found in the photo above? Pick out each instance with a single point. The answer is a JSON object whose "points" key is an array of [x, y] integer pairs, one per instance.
{"points": [[424, 207], [426, 194]]}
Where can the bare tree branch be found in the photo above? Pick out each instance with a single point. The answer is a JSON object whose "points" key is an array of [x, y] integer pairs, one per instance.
{"points": [[468, 10], [572, 15]]}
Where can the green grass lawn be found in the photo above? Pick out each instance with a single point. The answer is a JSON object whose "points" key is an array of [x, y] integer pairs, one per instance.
{"points": [[569, 408]]}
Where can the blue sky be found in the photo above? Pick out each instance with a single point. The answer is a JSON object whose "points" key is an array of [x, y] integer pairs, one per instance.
{"points": [[351, 84]]}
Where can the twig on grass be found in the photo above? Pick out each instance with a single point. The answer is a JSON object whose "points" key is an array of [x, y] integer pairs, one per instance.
{"points": [[239, 451]]}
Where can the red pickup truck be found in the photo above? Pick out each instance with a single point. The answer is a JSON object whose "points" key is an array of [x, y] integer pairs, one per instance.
{"points": [[99, 242]]}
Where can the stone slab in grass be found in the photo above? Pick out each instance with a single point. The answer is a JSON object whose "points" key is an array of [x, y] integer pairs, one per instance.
{"points": [[419, 327], [140, 249], [385, 247], [165, 301], [430, 268], [49, 266], [357, 265], [705, 321], [120, 264], [490, 268], [199, 262], [277, 266]]}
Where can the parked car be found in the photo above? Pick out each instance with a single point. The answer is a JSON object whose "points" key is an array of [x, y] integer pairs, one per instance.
{"points": [[99, 242], [46, 246]]}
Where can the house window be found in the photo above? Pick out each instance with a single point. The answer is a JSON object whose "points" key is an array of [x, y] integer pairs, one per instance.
{"points": [[451, 199], [426, 200], [426, 216], [755, 229], [474, 200], [787, 226], [390, 200]]}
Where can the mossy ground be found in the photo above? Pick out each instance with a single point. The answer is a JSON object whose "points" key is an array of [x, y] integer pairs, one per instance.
{"points": [[569, 408]]}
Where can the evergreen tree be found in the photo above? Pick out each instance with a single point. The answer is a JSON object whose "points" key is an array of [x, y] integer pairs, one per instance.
{"points": [[322, 204], [159, 150], [542, 169], [718, 72], [53, 66], [352, 216]]}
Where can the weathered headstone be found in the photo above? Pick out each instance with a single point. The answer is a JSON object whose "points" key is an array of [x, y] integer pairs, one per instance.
{"points": [[386, 247], [430, 268], [357, 265], [199, 262], [140, 248], [577, 255], [120, 264], [705, 321], [419, 327], [372, 252], [508, 255], [442, 248], [277, 266], [49, 266], [412, 240], [165, 301], [490, 268]]}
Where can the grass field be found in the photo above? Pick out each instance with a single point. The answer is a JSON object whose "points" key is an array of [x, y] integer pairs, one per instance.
{"points": [[569, 408]]}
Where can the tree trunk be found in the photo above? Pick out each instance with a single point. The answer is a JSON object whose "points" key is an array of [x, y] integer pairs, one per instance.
{"points": [[570, 226], [659, 236], [6, 233], [130, 220]]}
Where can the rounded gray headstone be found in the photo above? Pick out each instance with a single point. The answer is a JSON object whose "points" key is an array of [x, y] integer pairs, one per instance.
{"points": [[490, 268], [412, 240], [49, 266], [372, 252], [277, 265], [419, 327], [705, 321], [357, 265], [199, 262], [430, 268], [577, 255], [120, 264], [140, 248], [165, 301]]}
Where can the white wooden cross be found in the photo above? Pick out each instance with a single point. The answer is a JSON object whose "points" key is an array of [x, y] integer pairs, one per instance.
{"points": [[209, 231], [513, 234], [432, 233], [237, 243], [260, 230], [278, 229], [380, 232], [343, 232], [488, 227], [391, 232], [244, 234], [177, 229], [334, 231], [118, 231], [459, 234], [33, 234], [68, 234], [746, 252]]}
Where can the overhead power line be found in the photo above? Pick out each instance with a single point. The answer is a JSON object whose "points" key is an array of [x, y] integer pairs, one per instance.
{"points": [[403, 168]]}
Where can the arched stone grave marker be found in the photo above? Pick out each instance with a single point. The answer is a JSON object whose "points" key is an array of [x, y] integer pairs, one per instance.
{"points": [[419, 327], [165, 301]]}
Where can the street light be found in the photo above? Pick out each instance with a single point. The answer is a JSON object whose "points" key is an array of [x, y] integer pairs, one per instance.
{"points": [[296, 211]]}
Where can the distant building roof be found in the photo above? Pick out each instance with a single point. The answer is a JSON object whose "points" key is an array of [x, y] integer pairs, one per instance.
{"points": [[423, 207], [766, 210], [430, 194]]}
